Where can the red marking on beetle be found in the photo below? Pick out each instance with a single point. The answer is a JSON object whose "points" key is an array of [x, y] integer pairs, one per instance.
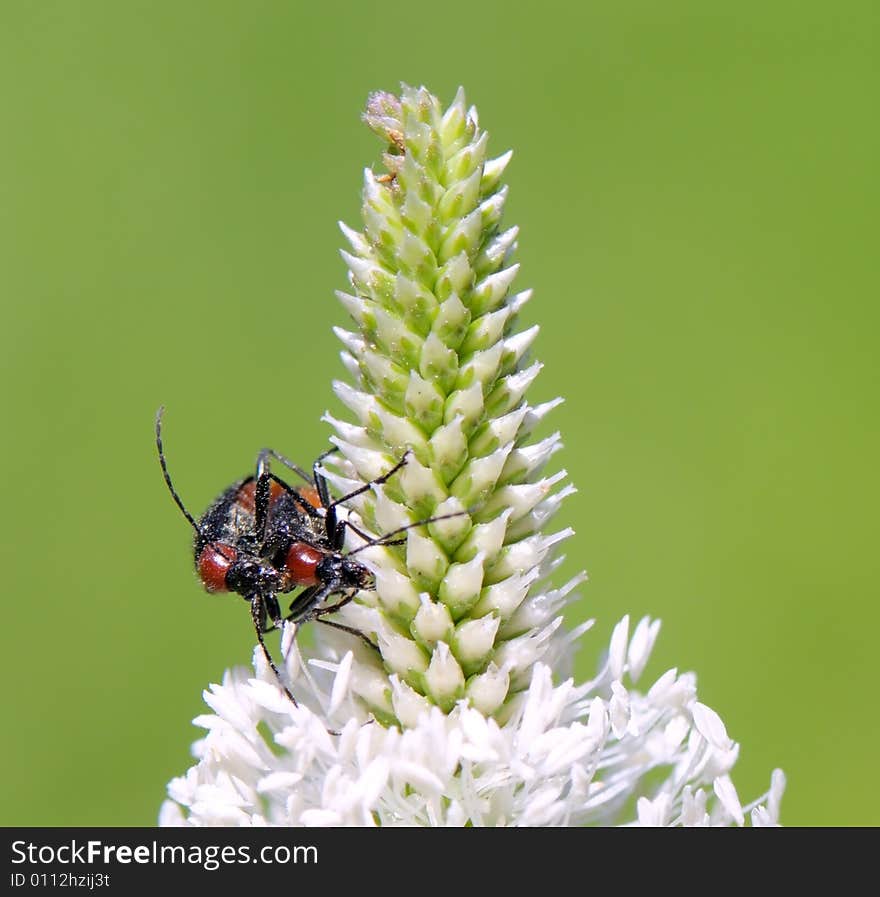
{"points": [[245, 496], [302, 562], [310, 494], [214, 562]]}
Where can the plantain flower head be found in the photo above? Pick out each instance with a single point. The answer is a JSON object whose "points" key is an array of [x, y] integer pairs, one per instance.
{"points": [[454, 707]]}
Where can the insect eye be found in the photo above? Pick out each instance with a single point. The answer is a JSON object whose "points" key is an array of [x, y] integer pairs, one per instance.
{"points": [[213, 565]]}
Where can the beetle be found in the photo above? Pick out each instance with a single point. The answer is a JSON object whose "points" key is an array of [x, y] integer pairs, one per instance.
{"points": [[262, 538]]}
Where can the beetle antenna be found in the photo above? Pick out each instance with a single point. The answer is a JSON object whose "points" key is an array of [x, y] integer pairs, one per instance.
{"points": [[177, 499], [387, 540]]}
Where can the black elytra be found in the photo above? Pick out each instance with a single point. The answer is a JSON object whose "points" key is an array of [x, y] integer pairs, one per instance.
{"points": [[262, 538]]}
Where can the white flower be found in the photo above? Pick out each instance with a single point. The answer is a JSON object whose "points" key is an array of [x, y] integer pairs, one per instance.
{"points": [[566, 754]]}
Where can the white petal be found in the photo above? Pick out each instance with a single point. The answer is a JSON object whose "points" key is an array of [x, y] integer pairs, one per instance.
{"points": [[710, 726], [488, 690], [432, 621], [617, 651], [444, 678], [400, 653], [726, 793], [474, 639], [341, 683], [408, 704], [641, 645]]}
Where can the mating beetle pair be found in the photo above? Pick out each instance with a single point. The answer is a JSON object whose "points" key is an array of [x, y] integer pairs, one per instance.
{"points": [[262, 538]]}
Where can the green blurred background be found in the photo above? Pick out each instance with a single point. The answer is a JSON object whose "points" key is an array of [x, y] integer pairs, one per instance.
{"points": [[697, 191]]}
